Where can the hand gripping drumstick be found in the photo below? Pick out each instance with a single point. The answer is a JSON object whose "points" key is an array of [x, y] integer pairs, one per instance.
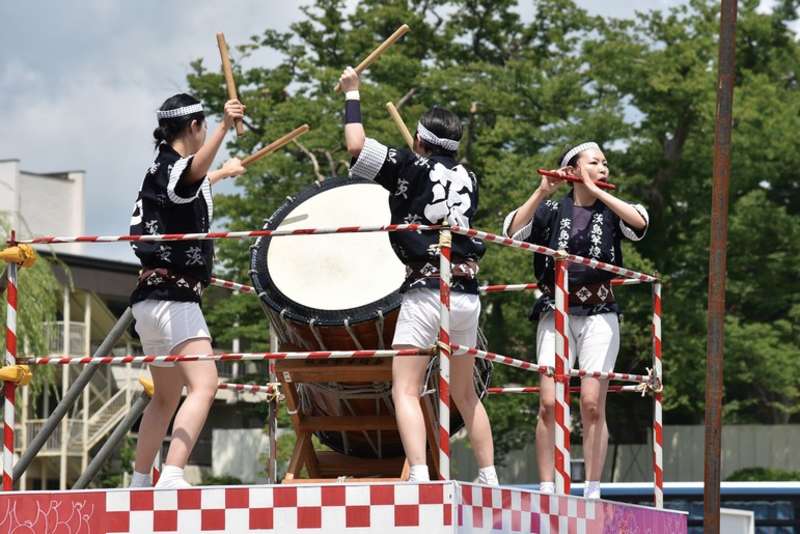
{"points": [[230, 83], [370, 59], [275, 145], [571, 178], [398, 121]]}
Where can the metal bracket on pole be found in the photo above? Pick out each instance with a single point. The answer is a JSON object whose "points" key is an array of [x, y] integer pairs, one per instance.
{"points": [[18, 374], [22, 255]]}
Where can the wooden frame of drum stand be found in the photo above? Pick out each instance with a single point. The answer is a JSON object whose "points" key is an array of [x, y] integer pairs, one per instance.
{"points": [[324, 466]]}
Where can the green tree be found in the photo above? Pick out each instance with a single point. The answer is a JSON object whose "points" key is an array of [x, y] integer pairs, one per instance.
{"points": [[645, 88]]}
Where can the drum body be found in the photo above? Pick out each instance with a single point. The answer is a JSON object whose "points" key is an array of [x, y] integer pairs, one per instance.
{"points": [[338, 292], [330, 292]]}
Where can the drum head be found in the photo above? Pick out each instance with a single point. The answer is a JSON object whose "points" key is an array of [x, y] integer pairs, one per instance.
{"points": [[330, 277]]}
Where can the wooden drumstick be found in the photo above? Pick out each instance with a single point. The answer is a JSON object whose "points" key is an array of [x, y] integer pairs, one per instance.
{"points": [[275, 145], [398, 121], [230, 83], [370, 59], [575, 179]]}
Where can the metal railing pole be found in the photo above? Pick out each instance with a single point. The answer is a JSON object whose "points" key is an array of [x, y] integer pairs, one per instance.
{"points": [[445, 351], [717, 265], [113, 441], [9, 391], [658, 401], [563, 419]]}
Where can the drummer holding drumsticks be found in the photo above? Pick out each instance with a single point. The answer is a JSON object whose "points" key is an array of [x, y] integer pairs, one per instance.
{"points": [[427, 186]]}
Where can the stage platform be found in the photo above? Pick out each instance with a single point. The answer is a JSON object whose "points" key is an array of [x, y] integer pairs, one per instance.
{"points": [[429, 508]]}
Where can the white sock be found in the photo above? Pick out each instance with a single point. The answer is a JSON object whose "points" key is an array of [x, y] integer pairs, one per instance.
{"points": [[548, 488], [172, 477], [419, 473], [140, 480], [488, 476], [592, 489]]}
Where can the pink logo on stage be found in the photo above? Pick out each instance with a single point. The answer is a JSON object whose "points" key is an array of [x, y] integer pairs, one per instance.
{"points": [[55, 517]]}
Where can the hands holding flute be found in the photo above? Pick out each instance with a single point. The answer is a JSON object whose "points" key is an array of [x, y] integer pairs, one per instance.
{"points": [[551, 179]]}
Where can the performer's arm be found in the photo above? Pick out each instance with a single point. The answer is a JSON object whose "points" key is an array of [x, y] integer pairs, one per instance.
{"points": [[525, 213], [626, 212], [232, 167], [205, 156], [629, 214], [353, 128]]}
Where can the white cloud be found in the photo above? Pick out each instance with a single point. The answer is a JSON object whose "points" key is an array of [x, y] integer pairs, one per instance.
{"points": [[83, 91]]}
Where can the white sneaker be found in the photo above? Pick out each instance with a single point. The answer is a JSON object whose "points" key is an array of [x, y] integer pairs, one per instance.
{"points": [[140, 480], [547, 488], [591, 490], [172, 483]]}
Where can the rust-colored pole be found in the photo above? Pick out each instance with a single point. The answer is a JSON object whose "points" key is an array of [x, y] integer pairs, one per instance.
{"points": [[717, 264]]}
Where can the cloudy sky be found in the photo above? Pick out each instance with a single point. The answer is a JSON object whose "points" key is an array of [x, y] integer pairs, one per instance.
{"points": [[80, 82]]}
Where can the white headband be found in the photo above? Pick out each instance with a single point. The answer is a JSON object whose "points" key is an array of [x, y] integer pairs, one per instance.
{"points": [[430, 137], [179, 112], [577, 150]]}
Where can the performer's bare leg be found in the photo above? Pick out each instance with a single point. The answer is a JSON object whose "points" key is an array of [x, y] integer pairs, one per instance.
{"points": [[545, 429], [408, 372], [157, 415], [595, 431], [462, 392], [201, 384]]}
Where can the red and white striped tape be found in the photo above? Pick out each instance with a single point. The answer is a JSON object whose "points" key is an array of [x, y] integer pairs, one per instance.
{"points": [[507, 288], [233, 286], [513, 243], [614, 388], [500, 358], [445, 242], [622, 377], [248, 388], [227, 235], [10, 387], [658, 429], [228, 356], [485, 236], [497, 288], [562, 411], [156, 467], [323, 355], [272, 426], [510, 288]]}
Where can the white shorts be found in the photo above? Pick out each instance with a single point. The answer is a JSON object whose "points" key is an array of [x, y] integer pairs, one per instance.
{"points": [[418, 323], [162, 325], [594, 339]]}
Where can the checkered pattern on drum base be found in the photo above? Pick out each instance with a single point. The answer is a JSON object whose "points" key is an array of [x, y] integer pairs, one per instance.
{"points": [[429, 508], [489, 510], [485, 509], [307, 508]]}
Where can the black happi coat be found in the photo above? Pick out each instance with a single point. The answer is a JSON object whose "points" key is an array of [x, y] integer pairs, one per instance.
{"points": [[425, 191], [601, 240], [167, 205]]}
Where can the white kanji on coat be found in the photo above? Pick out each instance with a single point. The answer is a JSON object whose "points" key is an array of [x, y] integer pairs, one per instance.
{"points": [[451, 195], [402, 188], [193, 256], [164, 253]]}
